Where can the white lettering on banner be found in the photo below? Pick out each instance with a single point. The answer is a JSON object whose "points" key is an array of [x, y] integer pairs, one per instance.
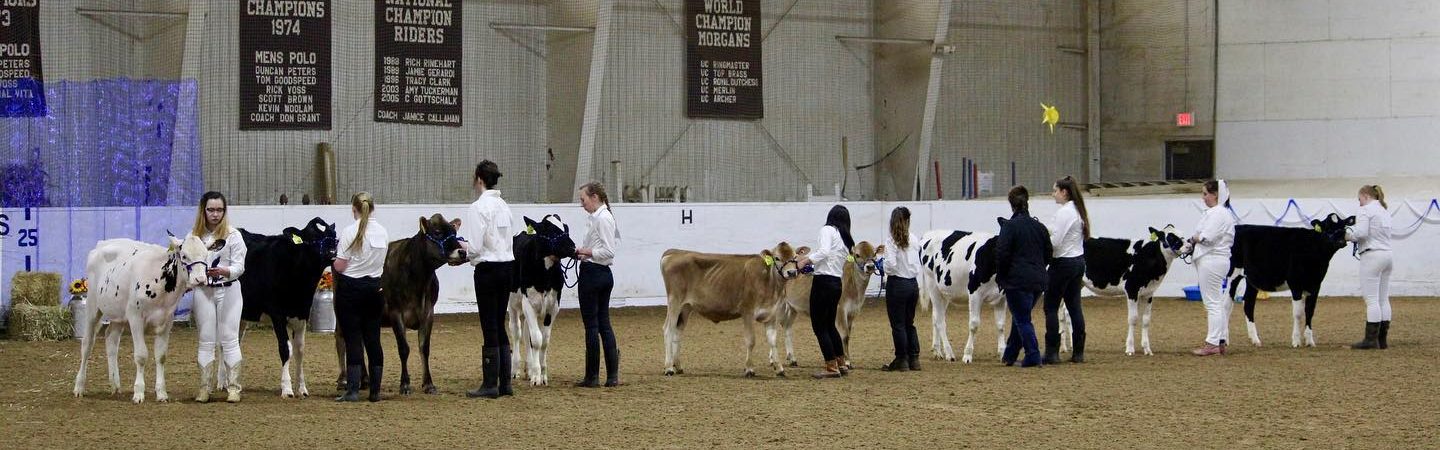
{"points": [[285, 8]]}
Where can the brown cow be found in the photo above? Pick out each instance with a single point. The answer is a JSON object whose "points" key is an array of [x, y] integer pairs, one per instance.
{"points": [[411, 289], [852, 297], [720, 288]]}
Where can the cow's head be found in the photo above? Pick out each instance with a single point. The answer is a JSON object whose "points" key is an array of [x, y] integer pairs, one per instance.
{"points": [[444, 239], [554, 236], [317, 237], [784, 260], [1170, 243], [866, 257], [188, 257], [1333, 229]]}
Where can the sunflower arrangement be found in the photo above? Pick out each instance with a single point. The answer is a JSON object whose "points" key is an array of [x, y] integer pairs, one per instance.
{"points": [[79, 287], [327, 282]]}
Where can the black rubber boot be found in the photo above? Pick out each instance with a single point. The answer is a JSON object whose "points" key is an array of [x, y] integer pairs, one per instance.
{"points": [[592, 368], [375, 378], [612, 367], [1372, 329], [352, 384], [1051, 358], [1383, 338], [489, 366], [896, 365], [913, 361], [1077, 350], [505, 374]]}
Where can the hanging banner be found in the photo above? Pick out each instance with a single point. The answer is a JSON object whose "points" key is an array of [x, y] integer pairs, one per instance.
{"points": [[285, 64], [22, 86], [417, 62], [722, 59]]}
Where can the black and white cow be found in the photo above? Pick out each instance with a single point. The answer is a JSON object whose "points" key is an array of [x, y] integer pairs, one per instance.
{"points": [[1132, 268], [1283, 258], [281, 273], [535, 301], [959, 266]]}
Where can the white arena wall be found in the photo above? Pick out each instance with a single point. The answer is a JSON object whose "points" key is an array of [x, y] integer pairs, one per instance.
{"points": [[647, 230]]}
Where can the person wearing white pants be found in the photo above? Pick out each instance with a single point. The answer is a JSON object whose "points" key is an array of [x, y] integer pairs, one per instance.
{"points": [[1210, 246], [1371, 234], [217, 306]]}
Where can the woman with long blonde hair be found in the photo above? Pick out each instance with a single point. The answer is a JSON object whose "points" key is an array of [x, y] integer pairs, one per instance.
{"points": [[218, 303], [1371, 234], [359, 263]]}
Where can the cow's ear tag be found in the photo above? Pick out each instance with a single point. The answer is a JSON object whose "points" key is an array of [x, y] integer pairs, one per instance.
{"points": [[1154, 237], [769, 261], [1317, 228], [850, 258], [529, 229], [296, 239]]}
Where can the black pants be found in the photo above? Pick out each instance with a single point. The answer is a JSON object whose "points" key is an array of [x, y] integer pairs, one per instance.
{"points": [[1022, 331], [824, 303], [358, 305], [1065, 279], [901, 296], [492, 296], [596, 282]]}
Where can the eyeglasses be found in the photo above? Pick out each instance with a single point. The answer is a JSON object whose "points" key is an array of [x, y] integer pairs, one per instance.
{"points": [[215, 210]]}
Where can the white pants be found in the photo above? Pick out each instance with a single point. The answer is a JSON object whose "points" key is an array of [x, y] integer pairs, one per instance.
{"points": [[1212, 270], [1375, 267], [217, 316]]}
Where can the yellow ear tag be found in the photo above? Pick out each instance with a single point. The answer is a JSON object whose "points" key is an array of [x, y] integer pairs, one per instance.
{"points": [[769, 261], [170, 248], [1317, 228], [529, 229], [1154, 237], [296, 238], [850, 258]]}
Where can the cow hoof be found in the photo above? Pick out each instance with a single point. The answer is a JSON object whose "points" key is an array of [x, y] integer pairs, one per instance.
{"points": [[287, 394], [965, 360], [431, 390], [1129, 352], [405, 389], [304, 393], [669, 372], [162, 397], [537, 383], [780, 374], [138, 398], [794, 363], [79, 392], [749, 373], [114, 390]]}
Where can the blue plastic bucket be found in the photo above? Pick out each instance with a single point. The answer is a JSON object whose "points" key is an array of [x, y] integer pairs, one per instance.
{"points": [[1192, 293]]}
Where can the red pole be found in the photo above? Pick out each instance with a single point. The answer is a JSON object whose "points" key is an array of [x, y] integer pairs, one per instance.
{"points": [[939, 193]]}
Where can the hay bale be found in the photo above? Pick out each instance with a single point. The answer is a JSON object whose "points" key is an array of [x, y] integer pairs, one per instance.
{"points": [[35, 288], [40, 323]]}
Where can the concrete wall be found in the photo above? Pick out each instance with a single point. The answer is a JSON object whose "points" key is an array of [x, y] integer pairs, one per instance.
{"points": [[902, 73], [1346, 88], [1006, 63], [1157, 60]]}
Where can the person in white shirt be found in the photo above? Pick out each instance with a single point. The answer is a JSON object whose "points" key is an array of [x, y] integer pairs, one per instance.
{"points": [[359, 263], [902, 294], [1210, 246], [217, 304], [602, 237], [488, 244], [829, 258], [1068, 232], [1371, 234]]}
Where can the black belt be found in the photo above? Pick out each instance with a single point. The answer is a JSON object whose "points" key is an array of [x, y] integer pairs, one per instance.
{"points": [[225, 284]]}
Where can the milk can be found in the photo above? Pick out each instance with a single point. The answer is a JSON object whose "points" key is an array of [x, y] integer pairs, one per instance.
{"points": [[322, 311]]}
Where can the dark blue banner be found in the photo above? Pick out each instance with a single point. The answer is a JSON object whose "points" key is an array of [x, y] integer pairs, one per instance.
{"points": [[22, 87]]}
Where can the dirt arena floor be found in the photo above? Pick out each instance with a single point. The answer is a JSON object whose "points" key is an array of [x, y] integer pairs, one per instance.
{"points": [[1274, 396]]}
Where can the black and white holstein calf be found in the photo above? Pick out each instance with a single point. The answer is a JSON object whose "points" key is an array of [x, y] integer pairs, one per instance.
{"points": [[1132, 268], [1273, 259], [959, 266], [536, 299], [281, 273]]}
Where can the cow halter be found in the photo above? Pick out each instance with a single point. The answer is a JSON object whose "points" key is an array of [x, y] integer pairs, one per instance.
{"points": [[441, 242]]}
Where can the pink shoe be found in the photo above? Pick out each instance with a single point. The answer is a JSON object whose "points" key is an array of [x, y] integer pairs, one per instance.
{"points": [[1208, 350]]}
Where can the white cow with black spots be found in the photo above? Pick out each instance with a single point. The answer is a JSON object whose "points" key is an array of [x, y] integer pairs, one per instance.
{"points": [[138, 284], [959, 266]]}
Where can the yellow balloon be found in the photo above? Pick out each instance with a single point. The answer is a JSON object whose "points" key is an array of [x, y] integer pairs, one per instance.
{"points": [[1051, 116]]}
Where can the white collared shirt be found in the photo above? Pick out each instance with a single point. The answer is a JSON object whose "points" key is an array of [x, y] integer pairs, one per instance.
{"points": [[902, 262], [1372, 227], [487, 227], [1067, 232], [369, 259], [829, 256], [602, 237], [1216, 233], [231, 257]]}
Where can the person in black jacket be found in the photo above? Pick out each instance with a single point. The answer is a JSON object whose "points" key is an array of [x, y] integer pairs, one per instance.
{"points": [[1021, 253]]}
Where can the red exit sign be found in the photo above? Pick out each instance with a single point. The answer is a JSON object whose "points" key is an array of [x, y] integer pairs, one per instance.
{"points": [[1185, 119]]}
